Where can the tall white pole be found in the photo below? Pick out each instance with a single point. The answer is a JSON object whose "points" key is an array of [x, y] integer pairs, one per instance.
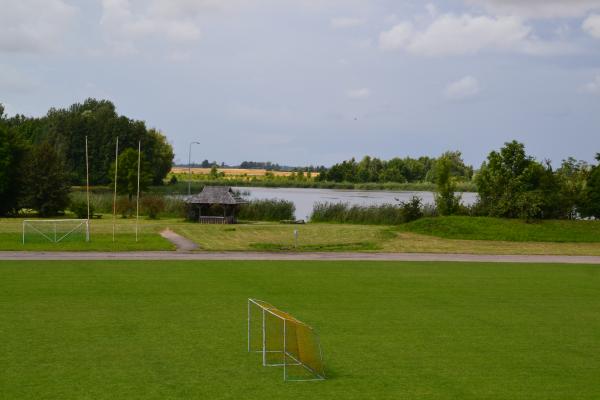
{"points": [[87, 181], [115, 195], [264, 338], [137, 206], [190, 168], [248, 323], [284, 350]]}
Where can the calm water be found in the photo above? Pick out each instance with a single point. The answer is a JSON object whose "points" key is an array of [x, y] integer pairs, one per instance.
{"points": [[304, 199]]}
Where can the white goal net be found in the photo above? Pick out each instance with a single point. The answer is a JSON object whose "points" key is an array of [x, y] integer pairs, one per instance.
{"points": [[284, 341], [56, 230]]}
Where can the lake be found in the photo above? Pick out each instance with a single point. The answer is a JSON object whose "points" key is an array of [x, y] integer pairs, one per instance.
{"points": [[304, 199]]}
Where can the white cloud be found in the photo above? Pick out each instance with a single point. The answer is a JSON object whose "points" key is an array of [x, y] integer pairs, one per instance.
{"points": [[346, 22], [465, 88], [357, 94], [592, 87], [399, 37], [592, 25], [126, 22], [538, 8], [451, 34], [432, 10], [34, 25], [13, 80]]}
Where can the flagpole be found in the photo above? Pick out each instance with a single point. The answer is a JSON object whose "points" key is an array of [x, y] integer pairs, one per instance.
{"points": [[87, 185], [137, 206], [115, 195]]}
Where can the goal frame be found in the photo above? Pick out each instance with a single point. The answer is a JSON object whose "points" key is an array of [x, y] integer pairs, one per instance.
{"points": [[265, 308], [56, 238]]}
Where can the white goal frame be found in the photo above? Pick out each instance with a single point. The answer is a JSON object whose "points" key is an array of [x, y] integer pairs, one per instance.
{"points": [[56, 238], [286, 319]]}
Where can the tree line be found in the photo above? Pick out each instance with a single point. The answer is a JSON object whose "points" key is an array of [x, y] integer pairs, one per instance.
{"points": [[399, 170], [41, 158], [266, 165], [512, 184]]}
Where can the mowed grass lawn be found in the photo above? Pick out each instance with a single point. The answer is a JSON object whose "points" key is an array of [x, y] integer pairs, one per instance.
{"points": [[343, 237], [101, 239], [437, 235], [273, 236], [177, 330]]}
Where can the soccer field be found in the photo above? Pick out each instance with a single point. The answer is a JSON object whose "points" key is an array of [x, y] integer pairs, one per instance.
{"points": [[177, 330]]}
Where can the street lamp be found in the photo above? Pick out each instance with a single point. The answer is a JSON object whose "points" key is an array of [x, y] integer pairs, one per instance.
{"points": [[190, 168]]}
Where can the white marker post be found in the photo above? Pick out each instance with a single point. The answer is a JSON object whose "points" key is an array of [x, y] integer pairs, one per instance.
{"points": [[137, 205], [115, 194], [87, 184]]}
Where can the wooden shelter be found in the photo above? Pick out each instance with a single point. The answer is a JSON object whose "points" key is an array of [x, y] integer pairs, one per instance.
{"points": [[214, 205]]}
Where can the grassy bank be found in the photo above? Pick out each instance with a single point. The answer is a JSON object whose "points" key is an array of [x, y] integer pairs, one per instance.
{"points": [[176, 330], [499, 229], [280, 237], [101, 239], [274, 237], [345, 237]]}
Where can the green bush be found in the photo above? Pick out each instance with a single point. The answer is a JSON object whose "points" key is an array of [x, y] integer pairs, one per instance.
{"points": [[267, 210], [152, 205], [80, 209], [412, 210]]}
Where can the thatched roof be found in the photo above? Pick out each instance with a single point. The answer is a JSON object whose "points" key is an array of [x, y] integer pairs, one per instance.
{"points": [[215, 195]]}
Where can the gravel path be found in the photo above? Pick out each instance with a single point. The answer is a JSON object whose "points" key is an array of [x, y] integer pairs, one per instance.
{"points": [[182, 255], [182, 244]]}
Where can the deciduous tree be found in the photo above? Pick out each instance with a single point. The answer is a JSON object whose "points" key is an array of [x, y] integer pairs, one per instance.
{"points": [[47, 184], [127, 173]]}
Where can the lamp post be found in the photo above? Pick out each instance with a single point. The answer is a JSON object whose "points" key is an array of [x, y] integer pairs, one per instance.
{"points": [[190, 168]]}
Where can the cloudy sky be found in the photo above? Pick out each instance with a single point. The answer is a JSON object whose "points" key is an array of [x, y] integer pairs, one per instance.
{"points": [[318, 81]]}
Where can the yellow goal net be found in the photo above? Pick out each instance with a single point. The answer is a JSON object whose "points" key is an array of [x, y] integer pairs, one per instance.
{"points": [[284, 341]]}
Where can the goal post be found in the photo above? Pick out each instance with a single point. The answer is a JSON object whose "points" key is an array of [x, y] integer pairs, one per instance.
{"points": [[56, 230], [284, 341]]}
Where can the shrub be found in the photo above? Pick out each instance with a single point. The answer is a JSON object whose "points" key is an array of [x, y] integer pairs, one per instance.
{"points": [[412, 210], [125, 207], [267, 210], [80, 209], [152, 205], [99, 202]]}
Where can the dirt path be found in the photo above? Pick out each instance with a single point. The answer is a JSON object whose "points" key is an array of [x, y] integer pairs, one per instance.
{"points": [[182, 255], [182, 244]]}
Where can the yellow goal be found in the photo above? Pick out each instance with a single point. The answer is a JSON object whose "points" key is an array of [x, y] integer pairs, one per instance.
{"points": [[284, 341]]}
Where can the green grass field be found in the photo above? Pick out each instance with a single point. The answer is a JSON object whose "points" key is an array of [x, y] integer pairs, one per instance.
{"points": [[485, 228], [177, 330], [440, 235], [101, 238]]}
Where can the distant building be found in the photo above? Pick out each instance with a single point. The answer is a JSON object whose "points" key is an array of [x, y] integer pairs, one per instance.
{"points": [[214, 205]]}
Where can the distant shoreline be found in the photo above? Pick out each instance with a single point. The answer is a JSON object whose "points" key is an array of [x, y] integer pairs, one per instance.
{"points": [[181, 187], [279, 181]]}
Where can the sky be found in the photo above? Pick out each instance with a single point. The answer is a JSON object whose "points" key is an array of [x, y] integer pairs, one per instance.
{"points": [[302, 82]]}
